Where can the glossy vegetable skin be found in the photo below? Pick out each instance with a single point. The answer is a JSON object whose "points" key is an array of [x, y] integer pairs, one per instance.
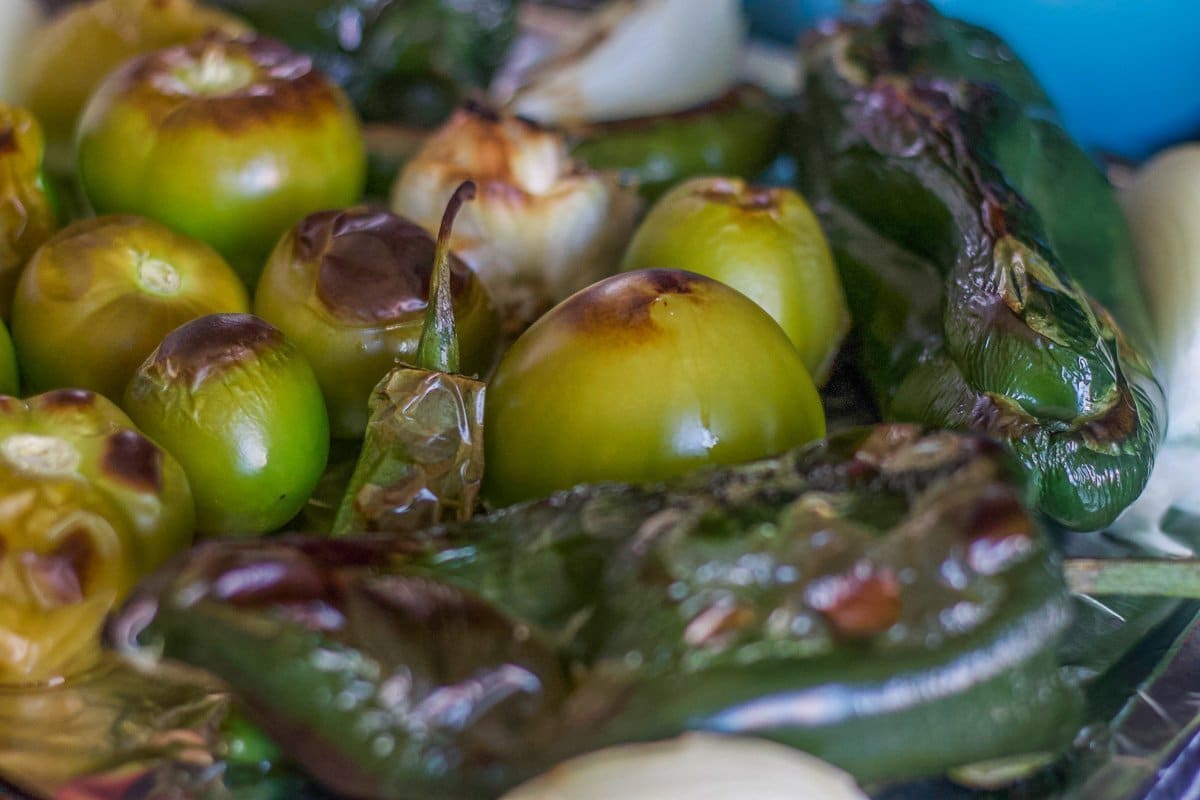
{"points": [[27, 216], [737, 134], [350, 287], [240, 407], [969, 230], [99, 296], [764, 242], [88, 505], [410, 61], [227, 140], [68, 57], [640, 377], [798, 599]]}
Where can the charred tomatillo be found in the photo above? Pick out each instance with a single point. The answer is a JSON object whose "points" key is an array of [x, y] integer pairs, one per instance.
{"points": [[350, 288], [639, 377], [27, 215], [100, 295], [239, 406], [764, 242], [228, 140], [70, 55]]}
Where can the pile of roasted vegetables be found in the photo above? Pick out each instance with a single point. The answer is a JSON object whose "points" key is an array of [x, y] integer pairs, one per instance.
{"points": [[396, 406]]}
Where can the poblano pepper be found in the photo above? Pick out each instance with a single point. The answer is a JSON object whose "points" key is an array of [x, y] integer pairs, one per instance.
{"points": [[422, 456], [408, 61], [736, 135], [974, 238], [882, 600]]}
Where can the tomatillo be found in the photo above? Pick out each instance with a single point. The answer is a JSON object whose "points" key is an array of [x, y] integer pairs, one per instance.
{"points": [[228, 140], [640, 377], [9, 382], [764, 242], [239, 406], [100, 295], [351, 287]]}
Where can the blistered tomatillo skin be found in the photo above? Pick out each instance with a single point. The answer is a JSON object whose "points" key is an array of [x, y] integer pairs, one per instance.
{"points": [[350, 288], [27, 217], [88, 505], [240, 407], [98, 297], [639, 377], [228, 140], [67, 58], [764, 242]]}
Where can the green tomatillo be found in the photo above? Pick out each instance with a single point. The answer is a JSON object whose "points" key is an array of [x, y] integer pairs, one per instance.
{"points": [[100, 295], [640, 377], [228, 140], [350, 288], [88, 505], [240, 407], [764, 242], [26, 213]]}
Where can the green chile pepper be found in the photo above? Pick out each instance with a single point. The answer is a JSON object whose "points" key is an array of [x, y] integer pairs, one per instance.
{"points": [[422, 456], [399, 60], [967, 227], [882, 599], [27, 216], [735, 135]]}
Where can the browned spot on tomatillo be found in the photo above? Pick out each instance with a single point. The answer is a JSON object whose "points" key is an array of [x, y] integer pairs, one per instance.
{"points": [[62, 574], [67, 398], [374, 266], [134, 460], [623, 302], [209, 345], [231, 83], [8, 140], [737, 193]]}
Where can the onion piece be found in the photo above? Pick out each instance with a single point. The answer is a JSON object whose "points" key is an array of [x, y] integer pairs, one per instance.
{"points": [[695, 766], [638, 58]]}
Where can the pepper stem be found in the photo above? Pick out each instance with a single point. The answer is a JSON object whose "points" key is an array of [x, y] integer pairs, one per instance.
{"points": [[438, 347]]}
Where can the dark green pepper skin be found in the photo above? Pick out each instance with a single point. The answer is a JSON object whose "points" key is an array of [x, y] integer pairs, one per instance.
{"points": [[736, 135], [881, 599], [970, 230], [408, 61]]}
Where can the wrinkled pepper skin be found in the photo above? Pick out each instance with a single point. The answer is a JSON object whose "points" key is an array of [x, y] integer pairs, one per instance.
{"points": [[411, 61], [882, 599], [974, 238], [87, 506], [735, 135], [27, 215], [422, 457]]}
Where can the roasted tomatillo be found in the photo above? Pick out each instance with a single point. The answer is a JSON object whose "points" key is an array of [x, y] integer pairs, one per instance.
{"points": [[88, 505], [98, 297], [26, 213], [240, 407], [764, 242], [228, 140], [639, 377], [9, 382], [68, 57], [350, 288]]}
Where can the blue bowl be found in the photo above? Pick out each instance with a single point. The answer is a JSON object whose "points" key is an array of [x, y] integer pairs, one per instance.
{"points": [[1125, 74]]}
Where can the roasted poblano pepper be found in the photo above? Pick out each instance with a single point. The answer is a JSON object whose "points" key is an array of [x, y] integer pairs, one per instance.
{"points": [[409, 61], [974, 239], [736, 135], [422, 457], [882, 600]]}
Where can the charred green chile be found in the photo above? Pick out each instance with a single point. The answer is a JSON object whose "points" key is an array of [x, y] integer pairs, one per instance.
{"points": [[735, 135], [881, 599], [974, 240]]}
